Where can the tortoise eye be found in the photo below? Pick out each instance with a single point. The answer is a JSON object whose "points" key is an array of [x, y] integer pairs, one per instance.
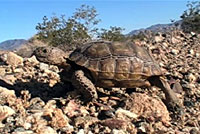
{"points": [[44, 51]]}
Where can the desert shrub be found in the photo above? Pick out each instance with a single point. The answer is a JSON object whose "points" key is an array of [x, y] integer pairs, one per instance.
{"points": [[112, 34], [69, 33], [191, 18]]}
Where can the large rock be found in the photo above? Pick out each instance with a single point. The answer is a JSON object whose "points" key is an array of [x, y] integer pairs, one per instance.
{"points": [[148, 107], [11, 58]]}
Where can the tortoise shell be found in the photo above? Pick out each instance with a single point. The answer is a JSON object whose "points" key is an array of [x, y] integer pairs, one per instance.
{"points": [[116, 64]]}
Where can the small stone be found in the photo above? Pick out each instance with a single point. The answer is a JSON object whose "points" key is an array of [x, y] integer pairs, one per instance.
{"points": [[114, 123], [195, 131], [81, 131], [44, 66], [116, 131], [191, 77], [191, 86], [122, 114], [193, 33], [165, 44], [52, 82], [2, 70], [174, 40], [158, 39], [47, 130], [54, 68], [72, 108], [174, 51], [5, 111], [24, 132], [59, 119], [142, 129], [177, 74], [33, 59], [161, 64], [18, 70], [27, 125], [86, 121], [183, 70], [177, 87], [197, 54], [191, 52], [198, 91]]}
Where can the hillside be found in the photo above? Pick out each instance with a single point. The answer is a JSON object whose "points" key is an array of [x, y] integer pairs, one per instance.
{"points": [[157, 28], [12, 44]]}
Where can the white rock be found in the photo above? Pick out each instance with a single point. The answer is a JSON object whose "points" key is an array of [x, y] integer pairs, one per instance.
{"points": [[121, 113], [18, 70], [165, 44], [198, 91], [24, 132], [2, 71], [192, 33], [33, 59], [175, 51], [27, 125], [191, 85], [90, 132], [10, 79], [44, 66], [81, 131], [6, 111], [174, 40], [197, 54], [6, 93], [191, 52], [142, 129], [116, 131], [158, 38], [161, 64], [47, 130], [191, 77]]}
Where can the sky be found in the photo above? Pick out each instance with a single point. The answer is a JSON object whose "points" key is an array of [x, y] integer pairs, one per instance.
{"points": [[18, 18]]}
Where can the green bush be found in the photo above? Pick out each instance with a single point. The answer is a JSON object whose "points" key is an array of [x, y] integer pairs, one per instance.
{"points": [[69, 33], [191, 18], [112, 34]]}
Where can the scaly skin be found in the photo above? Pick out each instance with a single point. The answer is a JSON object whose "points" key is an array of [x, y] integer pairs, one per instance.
{"points": [[171, 99]]}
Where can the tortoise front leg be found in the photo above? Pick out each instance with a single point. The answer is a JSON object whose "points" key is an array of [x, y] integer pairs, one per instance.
{"points": [[172, 100], [84, 85]]}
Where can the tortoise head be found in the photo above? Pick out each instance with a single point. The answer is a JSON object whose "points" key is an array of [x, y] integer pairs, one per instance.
{"points": [[52, 55]]}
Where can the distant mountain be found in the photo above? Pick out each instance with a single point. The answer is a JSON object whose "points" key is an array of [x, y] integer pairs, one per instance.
{"points": [[157, 28], [12, 44]]}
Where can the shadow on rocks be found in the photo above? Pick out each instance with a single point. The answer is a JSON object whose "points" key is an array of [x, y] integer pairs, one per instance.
{"points": [[39, 89]]}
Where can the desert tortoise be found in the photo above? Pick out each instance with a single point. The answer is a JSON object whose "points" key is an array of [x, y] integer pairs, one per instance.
{"points": [[108, 64]]}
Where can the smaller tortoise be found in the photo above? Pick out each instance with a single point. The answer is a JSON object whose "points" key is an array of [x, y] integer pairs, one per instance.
{"points": [[108, 64]]}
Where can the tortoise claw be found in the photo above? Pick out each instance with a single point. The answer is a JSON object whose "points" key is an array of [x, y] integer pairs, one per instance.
{"points": [[175, 108]]}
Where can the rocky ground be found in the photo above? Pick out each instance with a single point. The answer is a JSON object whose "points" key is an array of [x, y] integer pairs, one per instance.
{"points": [[34, 99]]}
